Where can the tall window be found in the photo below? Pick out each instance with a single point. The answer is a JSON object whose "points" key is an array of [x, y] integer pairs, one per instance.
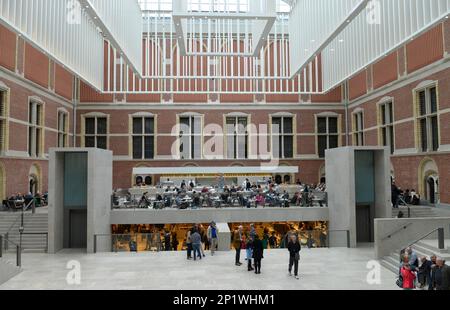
{"points": [[63, 126], [428, 119], [35, 129], [358, 129], [190, 137], [237, 137], [387, 125], [96, 132], [3, 120], [283, 137], [327, 134], [143, 137]]}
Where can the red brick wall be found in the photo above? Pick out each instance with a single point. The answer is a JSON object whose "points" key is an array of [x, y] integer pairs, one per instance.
{"points": [[425, 49], [63, 82], [358, 85], [385, 71], [36, 66], [7, 48]]}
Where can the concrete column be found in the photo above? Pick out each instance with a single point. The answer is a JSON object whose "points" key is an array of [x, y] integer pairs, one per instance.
{"points": [[224, 237]]}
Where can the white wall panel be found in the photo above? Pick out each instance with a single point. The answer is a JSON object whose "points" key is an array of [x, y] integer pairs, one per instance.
{"points": [[382, 27], [61, 29]]}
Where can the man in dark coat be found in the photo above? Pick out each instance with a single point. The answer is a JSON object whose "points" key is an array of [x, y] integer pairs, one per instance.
{"points": [[424, 272], [395, 193], [441, 279], [294, 248], [258, 253]]}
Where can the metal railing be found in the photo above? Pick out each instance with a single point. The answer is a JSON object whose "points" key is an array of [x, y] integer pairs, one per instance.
{"points": [[397, 231], [37, 234], [4, 245], [441, 238]]}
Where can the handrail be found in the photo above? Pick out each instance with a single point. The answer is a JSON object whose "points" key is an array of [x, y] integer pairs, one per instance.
{"points": [[424, 236], [397, 231], [19, 216], [18, 250]]}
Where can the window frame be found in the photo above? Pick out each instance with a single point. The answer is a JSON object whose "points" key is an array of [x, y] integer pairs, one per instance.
{"points": [[387, 129], [358, 128], [192, 118], [95, 135], [327, 134], [282, 135], [236, 136], [63, 133], [143, 135], [36, 128], [428, 118]]}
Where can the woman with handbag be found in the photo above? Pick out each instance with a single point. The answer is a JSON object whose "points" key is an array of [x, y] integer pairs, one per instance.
{"points": [[294, 248]]}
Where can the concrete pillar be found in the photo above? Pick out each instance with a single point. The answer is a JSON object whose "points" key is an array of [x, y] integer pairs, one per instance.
{"points": [[224, 237]]}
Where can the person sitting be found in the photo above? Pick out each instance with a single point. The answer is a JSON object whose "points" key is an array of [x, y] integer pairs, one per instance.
{"points": [[415, 198], [38, 200], [407, 196], [259, 200], [28, 198]]}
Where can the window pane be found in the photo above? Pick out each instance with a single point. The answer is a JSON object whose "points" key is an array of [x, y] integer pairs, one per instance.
{"points": [[391, 139], [288, 125], [30, 141], [2, 103], [149, 126], [30, 112], [433, 100], [322, 125], [196, 147], [38, 142], [435, 133], [38, 115], [422, 103], [288, 147], [384, 136], [101, 126], [276, 125], [391, 113], [101, 143], [89, 141], [90, 126], [424, 135], [333, 142], [333, 125], [137, 126], [322, 146], [137, 147], [383, 114], [149, 147]]}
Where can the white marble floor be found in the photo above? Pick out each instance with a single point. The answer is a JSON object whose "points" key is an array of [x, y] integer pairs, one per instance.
{"points": [[321, 269]]}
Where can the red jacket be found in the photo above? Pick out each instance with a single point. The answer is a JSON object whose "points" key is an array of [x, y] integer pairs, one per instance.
{"points": [[408, 278]]}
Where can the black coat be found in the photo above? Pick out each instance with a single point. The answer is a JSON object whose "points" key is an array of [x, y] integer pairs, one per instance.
{"points": [[258, 249], [294, 248]]}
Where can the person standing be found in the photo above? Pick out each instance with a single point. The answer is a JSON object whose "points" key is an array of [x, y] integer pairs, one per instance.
{"points": [[294, 248], [441, 281], [238, 237], [249, 252], [212, 235], [196, 239], [258, 253], [202, 233], [395, 193], [408, 277], [167, 243], [174, 241], [189, 245]]}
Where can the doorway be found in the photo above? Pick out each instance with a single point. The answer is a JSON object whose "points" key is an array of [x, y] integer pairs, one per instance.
{"points": [[78, 229], [431, 190], [363, 224]]}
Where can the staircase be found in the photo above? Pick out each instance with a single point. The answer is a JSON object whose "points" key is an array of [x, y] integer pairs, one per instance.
{"points": [[422, 248], [33, 223], [8, 270], [418, 212]]}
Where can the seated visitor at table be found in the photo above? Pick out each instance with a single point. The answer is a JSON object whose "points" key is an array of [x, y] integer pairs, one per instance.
{"points": [[183, 184], [415, 198], [407, 196], [259, 199]]}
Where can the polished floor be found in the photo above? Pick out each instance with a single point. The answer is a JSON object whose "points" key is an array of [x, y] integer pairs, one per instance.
{"points": [[321, 269]]}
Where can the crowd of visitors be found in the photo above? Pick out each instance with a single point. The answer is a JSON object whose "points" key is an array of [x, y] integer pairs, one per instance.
{"points": [[400, 197], [423, 273], [18, 201]]}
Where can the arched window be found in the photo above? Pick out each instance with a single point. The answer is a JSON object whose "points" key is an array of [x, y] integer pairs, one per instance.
{"points": [[148, 180]]}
